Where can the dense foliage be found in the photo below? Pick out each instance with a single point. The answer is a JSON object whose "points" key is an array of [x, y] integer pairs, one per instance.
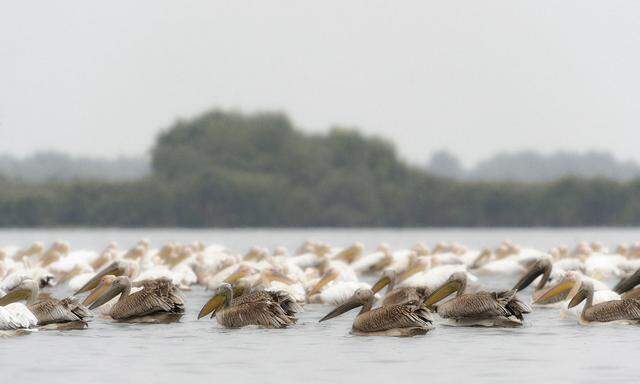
{"points": [[230, 169]]}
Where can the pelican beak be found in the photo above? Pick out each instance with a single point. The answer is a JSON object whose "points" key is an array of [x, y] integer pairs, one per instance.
{"points": [[381, 283], [211, 306], [111, 292], [112, 269], [350, 254], [328, 277], [412, 270], [556, 293], [69, 275], [578, 298], [14, 295], [628, 283], [238, 274], [100, 290], [274, 275], [346, 307], [445, 290]]}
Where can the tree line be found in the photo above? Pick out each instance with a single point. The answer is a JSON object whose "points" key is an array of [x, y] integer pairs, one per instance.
{"points": [[531, 166], [228, 169]]}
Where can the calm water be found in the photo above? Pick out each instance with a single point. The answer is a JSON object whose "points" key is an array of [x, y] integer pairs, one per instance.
{"points": [[546, 350]]}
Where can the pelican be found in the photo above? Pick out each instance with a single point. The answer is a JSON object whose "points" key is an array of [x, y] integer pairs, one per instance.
{"points": [[262, 308], [16, 316], [568, 287], [542, 267], [409, 319], [374, 262], [481, 308], [47, 310], [398, 295], [336, 285], [608, 311], [157, 297]]}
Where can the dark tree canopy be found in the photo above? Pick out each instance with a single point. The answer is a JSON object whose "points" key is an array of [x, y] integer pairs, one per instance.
{"points": [[232, 169]]}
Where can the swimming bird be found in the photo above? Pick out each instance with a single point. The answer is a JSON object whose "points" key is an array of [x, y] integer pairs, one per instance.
{"points": [[337, 284], [157, 297], [481, 308], [410, 319], [608, 311], [567, 287], [46, 309], [261, 308]]}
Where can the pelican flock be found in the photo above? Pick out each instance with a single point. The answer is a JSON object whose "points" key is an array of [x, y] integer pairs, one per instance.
{"points": [[400, 292]]}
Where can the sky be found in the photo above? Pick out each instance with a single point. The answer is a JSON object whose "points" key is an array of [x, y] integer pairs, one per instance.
{"points": [[473, 77]]}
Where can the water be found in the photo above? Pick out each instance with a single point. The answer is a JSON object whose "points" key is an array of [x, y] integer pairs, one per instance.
{"points": [[546, 350]]}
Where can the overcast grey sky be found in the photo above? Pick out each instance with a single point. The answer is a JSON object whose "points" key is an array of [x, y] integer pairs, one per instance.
{"points": [[472, 76]]}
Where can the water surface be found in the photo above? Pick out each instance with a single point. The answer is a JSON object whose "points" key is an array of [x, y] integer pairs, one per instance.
{"points": [[546, 350]]}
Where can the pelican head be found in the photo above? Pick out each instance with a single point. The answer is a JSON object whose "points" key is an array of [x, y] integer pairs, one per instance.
{"points": [[35, 249], [542, 267], [330, 275], [100, 289], [457, 282], [26, 290], [628, 283], [561, 290], [585, 291], [362, 296], [351, 254], [273, 274], [243, 270], [389, 277], [135, 253], [117, 286], [417, 264], [221, 294], [255, 254], [117, 268], [420, 249]]}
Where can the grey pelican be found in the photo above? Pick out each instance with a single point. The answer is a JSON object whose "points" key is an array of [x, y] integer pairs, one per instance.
{"points": [[156, 298], [46, 309], [613, 310], [567, 287], [481, 308], [262, 308], [409, 319]]}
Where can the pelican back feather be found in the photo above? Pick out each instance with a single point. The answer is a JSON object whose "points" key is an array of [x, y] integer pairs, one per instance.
{"points": [[404, 295], [50, 311], [266, 314], [625, 309], [153, 298], [474, 305], [393, 317]]}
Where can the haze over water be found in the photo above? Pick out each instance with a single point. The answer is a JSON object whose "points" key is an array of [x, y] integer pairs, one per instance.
{"points": [[546, 350]]}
